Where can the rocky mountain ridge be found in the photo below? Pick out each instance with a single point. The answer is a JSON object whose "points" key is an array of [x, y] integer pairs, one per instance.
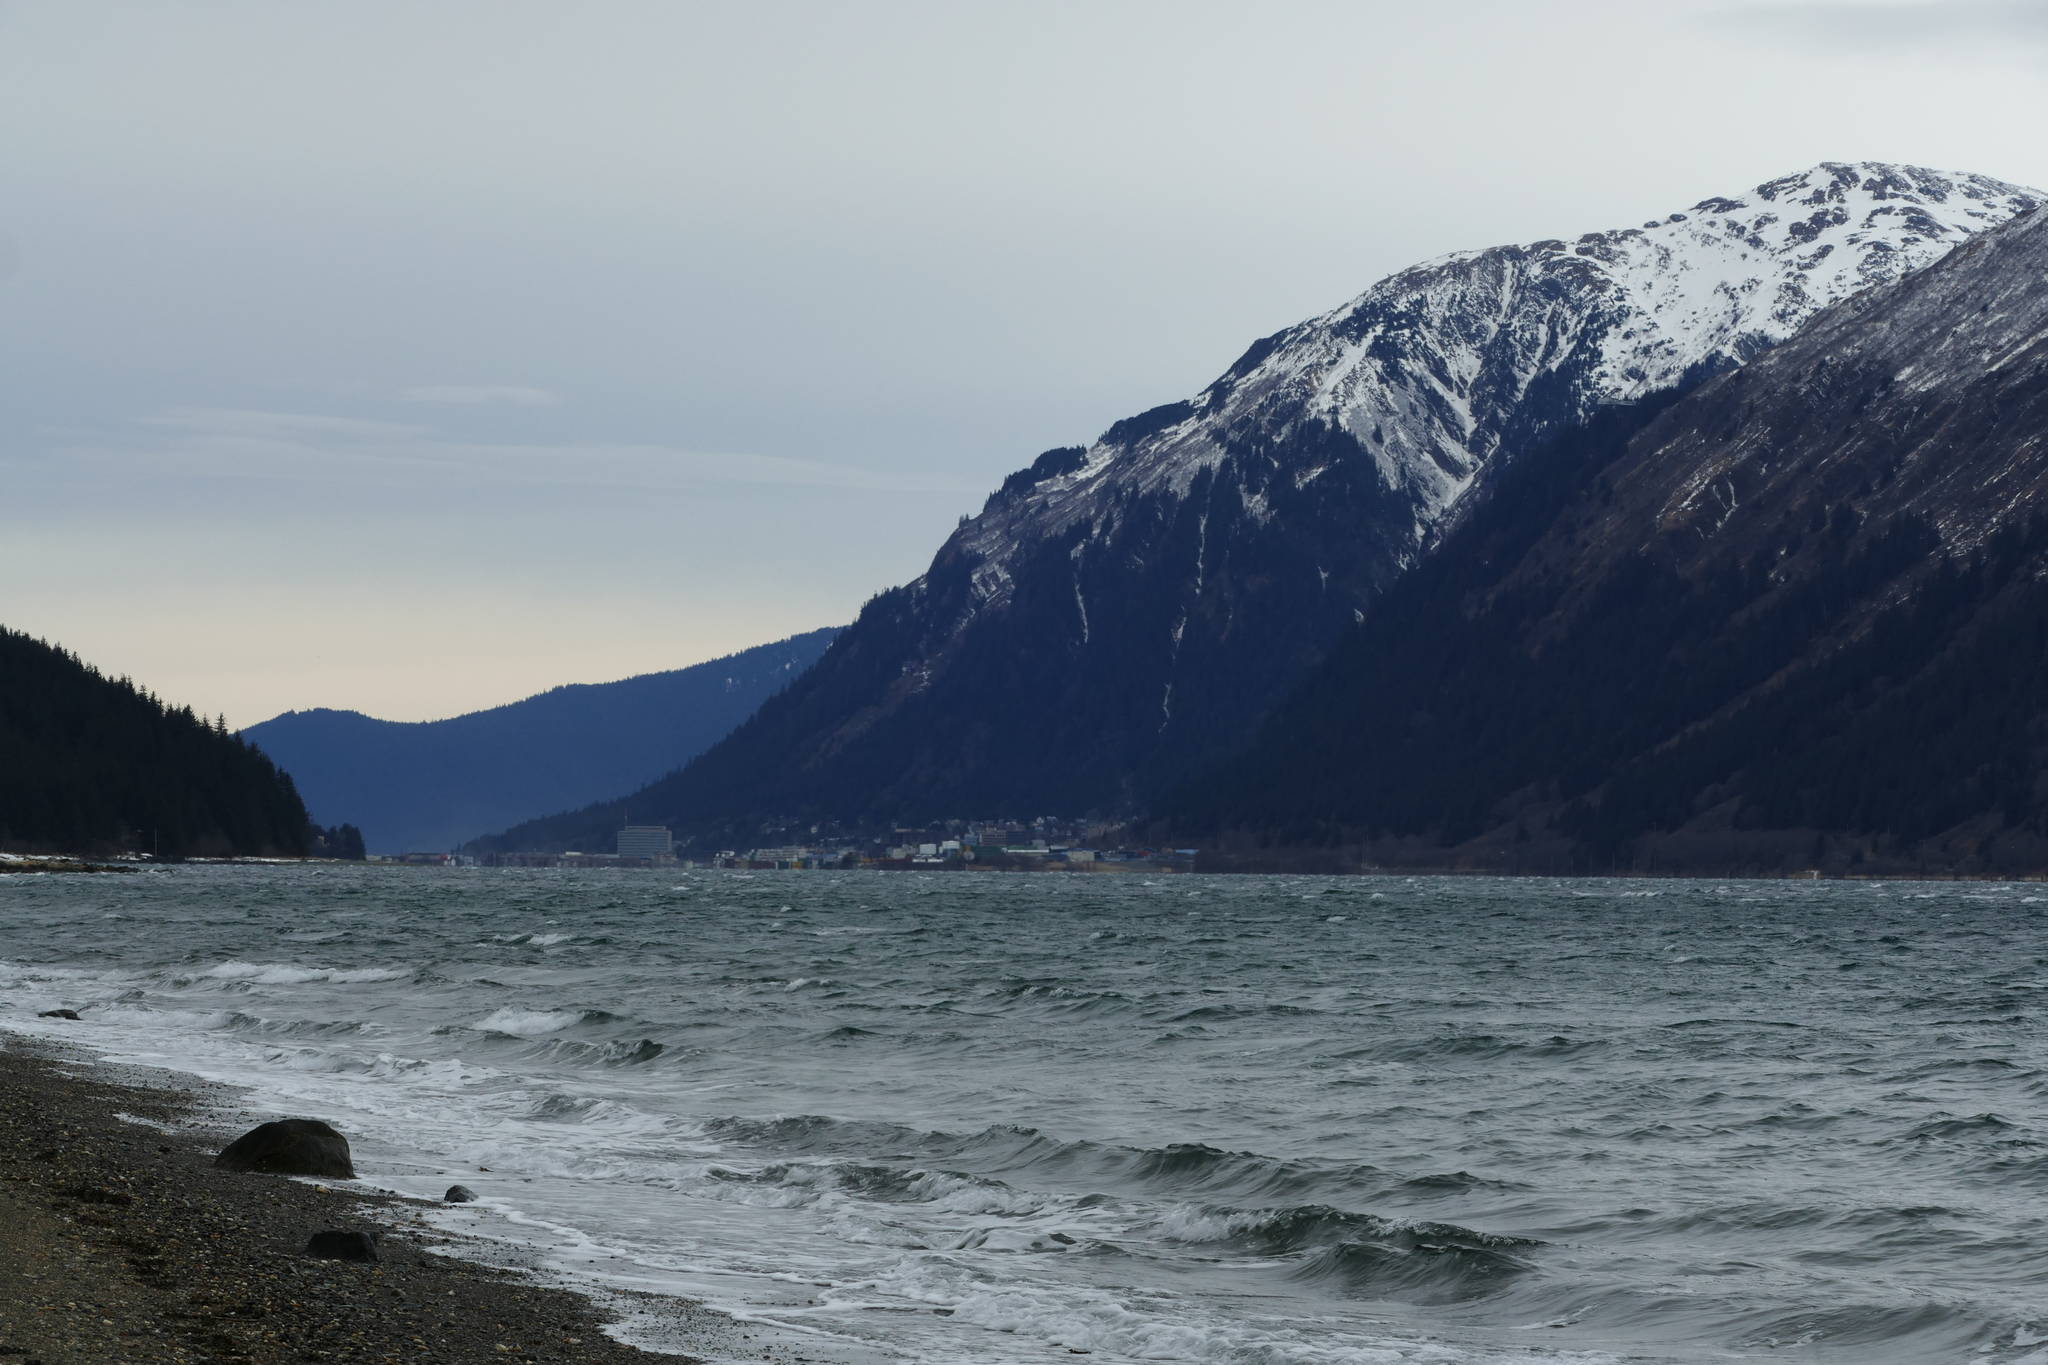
{"points": [[1431, 370], [1119, 614]]}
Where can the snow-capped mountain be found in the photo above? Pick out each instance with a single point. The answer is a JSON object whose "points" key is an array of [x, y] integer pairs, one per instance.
{"points": [[1431, 370], [1796, 619], [1119, 613]]}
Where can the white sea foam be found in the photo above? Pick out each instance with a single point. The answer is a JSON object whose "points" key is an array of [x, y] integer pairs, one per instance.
{"points": [[1014, 1240], [534, 940], [1193, 1223], [286, 974], [527, 1023], [956, 1194]]}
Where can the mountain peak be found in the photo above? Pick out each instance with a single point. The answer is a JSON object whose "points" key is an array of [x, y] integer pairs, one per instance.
{"points": [[1839, 181]]}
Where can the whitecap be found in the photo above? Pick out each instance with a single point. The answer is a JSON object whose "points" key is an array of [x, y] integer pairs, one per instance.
{"points": [[526, 1023], [285, 974]]}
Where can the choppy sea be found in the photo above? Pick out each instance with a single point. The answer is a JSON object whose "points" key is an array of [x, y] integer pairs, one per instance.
{"points": [[970, 1118]]}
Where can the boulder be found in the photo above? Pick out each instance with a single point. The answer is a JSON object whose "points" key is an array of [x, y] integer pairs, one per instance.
{"points": [[333, 1245], [58, 1014], [290, 1147], [459, 1194]]}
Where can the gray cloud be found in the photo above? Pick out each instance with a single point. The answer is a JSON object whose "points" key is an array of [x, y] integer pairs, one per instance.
{"points": [[1859, 24], [235, 443], [483, 395]]}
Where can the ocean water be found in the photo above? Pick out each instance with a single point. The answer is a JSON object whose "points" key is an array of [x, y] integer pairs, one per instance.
{"points": [[986, 1118]]}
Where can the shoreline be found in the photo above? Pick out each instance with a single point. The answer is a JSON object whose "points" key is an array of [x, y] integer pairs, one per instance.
{"points": [[29, 864], [1222, 862], [121, 1241]]}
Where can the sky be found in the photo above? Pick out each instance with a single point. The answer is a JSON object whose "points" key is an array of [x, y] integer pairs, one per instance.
{"points": [[413, 358]]}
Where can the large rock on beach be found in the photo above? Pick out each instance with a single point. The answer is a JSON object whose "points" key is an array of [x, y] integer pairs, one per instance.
{"points": [[459, 1194], [333, 1245], [290, 1147]]}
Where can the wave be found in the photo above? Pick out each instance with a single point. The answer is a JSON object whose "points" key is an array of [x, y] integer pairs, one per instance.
{"points": [[1277, 1231], [1733, 1023], [234, 1021], [1060, 997], [1426, 1273], [953, 1191], [561, 1108], [1008, 1149], [1016, 1240], [1421, 1262], [1446, 1183], [621, 1052], [1986, 1068], [1976, 1125], [1474, 1047], [531, 1023], [289, 974], [1206, 1012]]}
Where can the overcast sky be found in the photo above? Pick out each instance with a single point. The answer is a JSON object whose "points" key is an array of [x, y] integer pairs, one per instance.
{"points": [[412, 358]]}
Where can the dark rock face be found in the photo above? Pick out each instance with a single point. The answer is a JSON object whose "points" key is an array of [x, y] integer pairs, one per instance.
{"points": [[58, 1014], [342, 1246], [290, 1147], [459, 1194], [1794, 619]]}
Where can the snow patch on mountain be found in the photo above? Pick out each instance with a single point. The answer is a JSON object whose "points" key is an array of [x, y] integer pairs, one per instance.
{"points": [[1439, 369]]}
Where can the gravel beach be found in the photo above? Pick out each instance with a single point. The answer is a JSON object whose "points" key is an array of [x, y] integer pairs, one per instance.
{"points": [[122, 1244]]}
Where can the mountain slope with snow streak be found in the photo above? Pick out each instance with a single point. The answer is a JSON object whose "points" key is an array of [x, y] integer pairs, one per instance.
{"points": [[1431, 370], [1120, 613]]}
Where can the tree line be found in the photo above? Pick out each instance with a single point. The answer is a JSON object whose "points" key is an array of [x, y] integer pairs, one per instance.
{"points": [[97, 765]]}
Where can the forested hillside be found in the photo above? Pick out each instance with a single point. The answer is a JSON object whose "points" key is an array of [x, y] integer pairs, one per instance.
{"points": [[94, 764]]}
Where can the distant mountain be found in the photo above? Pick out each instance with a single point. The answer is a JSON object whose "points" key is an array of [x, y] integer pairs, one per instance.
{"points": [[92, 764], [1119, 614], [1797, 618], [432, 785]]}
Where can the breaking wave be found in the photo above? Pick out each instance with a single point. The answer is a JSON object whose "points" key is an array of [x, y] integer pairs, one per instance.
{"points": [[288, 974]]}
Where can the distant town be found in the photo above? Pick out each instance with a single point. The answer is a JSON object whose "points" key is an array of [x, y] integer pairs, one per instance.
{"points": [[1046, 844]]}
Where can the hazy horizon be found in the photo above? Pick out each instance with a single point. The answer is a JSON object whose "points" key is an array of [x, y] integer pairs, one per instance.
{"points": [[416, 361]]}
